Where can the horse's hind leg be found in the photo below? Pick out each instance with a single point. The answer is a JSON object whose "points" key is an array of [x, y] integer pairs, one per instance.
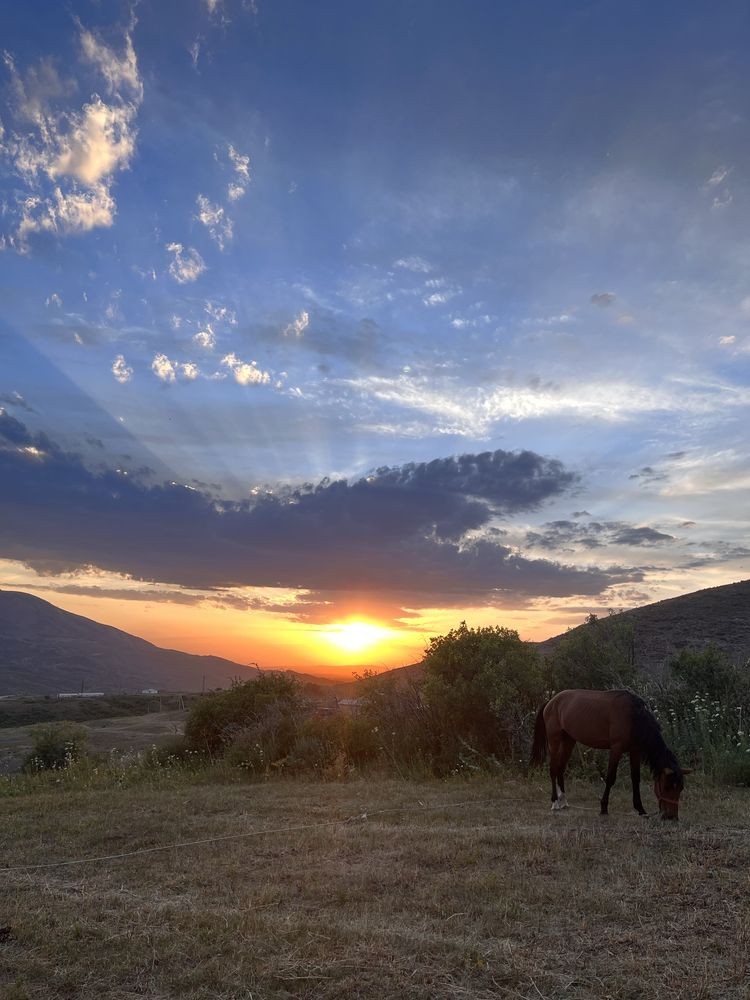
{"points": [[553, 740], [564, 752]]}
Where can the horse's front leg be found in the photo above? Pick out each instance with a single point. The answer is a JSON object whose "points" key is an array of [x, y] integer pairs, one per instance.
{"points": [[635, 777], [614, 760]]}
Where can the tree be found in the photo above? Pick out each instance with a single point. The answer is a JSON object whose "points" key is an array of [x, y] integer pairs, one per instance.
{"points": [[710, 672], [268, 701], [598, 654], [484, 683]]}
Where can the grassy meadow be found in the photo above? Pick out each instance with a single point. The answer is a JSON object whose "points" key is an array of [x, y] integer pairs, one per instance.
{"points": [[469, 887]]}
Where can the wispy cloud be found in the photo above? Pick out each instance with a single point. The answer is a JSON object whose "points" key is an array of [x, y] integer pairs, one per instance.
{"points": [[215, 219], [187, 265], [241, 164], [414, 263], [298, 325]]}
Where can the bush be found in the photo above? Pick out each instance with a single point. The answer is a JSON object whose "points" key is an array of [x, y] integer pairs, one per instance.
{"points": [[599, 654], [483, 686], [332, 746], [261, 711], [704, 709], [56, 745]]}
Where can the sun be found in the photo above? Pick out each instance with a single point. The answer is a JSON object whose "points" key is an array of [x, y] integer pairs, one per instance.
{"points": [[355, 636]]}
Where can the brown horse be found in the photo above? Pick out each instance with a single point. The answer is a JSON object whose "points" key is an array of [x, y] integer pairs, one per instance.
{"points": [[618, 721]]}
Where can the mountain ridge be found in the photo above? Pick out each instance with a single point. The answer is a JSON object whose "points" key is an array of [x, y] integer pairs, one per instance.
{"points": [[46, 650]]}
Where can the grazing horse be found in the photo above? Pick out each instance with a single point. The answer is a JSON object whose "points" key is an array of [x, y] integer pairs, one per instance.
{"points": [[618, 721]]}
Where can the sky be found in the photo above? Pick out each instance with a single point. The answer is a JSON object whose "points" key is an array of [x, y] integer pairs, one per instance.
{"points": [[325, 327]]}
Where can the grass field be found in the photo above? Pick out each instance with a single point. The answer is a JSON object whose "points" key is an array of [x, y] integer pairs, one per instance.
{"points": [[461, 889], [129, 733]]}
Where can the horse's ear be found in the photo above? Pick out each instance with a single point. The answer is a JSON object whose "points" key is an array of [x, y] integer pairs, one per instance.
{"points": [[687, 770]]}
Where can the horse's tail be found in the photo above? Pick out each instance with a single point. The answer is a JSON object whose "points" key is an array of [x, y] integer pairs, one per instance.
{"points": [[539, 747]]}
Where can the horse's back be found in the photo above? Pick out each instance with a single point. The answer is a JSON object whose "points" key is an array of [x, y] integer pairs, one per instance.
{"points": [[595, 718]]}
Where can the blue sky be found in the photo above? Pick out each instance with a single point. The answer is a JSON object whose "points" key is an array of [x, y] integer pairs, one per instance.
{"points": [[291, 258]]}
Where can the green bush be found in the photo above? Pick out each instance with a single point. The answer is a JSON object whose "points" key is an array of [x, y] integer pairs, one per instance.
{"points": [[332, 746], [264, 710], [599, 654], [56, 745], [483, 687], [703, 706]]}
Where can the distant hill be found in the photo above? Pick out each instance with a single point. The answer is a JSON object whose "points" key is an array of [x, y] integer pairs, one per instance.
{"points": [[45, 650], [719, 615]]}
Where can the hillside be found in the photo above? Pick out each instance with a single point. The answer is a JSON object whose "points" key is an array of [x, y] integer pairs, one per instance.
{"points": [[45, 650], [719, 615]]}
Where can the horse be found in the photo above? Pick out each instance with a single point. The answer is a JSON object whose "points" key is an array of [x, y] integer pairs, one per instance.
{"points": [[618, 721]]}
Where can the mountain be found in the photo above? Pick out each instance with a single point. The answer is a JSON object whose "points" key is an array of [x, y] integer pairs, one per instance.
{"points": [[45, 650], [719, 615]]}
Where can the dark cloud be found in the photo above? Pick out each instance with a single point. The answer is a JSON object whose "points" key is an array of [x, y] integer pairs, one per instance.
{"points": [[569, 535], [329, 335], [641, 536], [649, 474], [15, 399], [715, 552], [603, 299], [124, 594], [409, 529]]}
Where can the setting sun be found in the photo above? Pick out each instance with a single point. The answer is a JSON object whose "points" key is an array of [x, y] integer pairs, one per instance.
{"points": [[356, 636]]}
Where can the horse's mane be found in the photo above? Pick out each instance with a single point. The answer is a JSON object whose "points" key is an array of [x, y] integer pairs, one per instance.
{"points": [[648, 738]]}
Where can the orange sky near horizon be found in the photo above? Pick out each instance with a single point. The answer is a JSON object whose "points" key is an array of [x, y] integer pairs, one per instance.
{"points": [[272, 639]]}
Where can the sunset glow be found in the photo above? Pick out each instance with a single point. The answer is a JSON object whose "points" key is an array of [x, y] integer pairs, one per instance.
{"points": [[357, 636], [308, 354]]}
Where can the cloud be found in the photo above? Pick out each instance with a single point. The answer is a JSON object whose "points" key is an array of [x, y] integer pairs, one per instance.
{"points": [[188, 265], [420, 529], [15, 399], [120, 72], [603, 299], [163, 368], [168, 370], [299, 324], [413, 263], [213, 217], [245, 373], [121, 371], [205, 338], [439, 298], [457, 408], [241, 165], [570, 536], [68, 161], [718, 176]]}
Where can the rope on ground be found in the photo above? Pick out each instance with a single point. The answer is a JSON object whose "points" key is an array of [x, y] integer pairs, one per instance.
{"points": [[357, 817]]}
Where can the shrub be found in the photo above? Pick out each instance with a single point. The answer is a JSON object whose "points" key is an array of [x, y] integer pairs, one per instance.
{"points": [[483, 685], [599, 654], [264, 710], [332, 746], [55, 745]]}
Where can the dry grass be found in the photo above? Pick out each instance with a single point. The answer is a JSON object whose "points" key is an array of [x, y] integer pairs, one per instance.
{"points": [[128, 733], [492, 897]]}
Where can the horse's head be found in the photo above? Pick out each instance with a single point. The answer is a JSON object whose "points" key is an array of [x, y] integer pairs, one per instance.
{"points": [[668, 786]]}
